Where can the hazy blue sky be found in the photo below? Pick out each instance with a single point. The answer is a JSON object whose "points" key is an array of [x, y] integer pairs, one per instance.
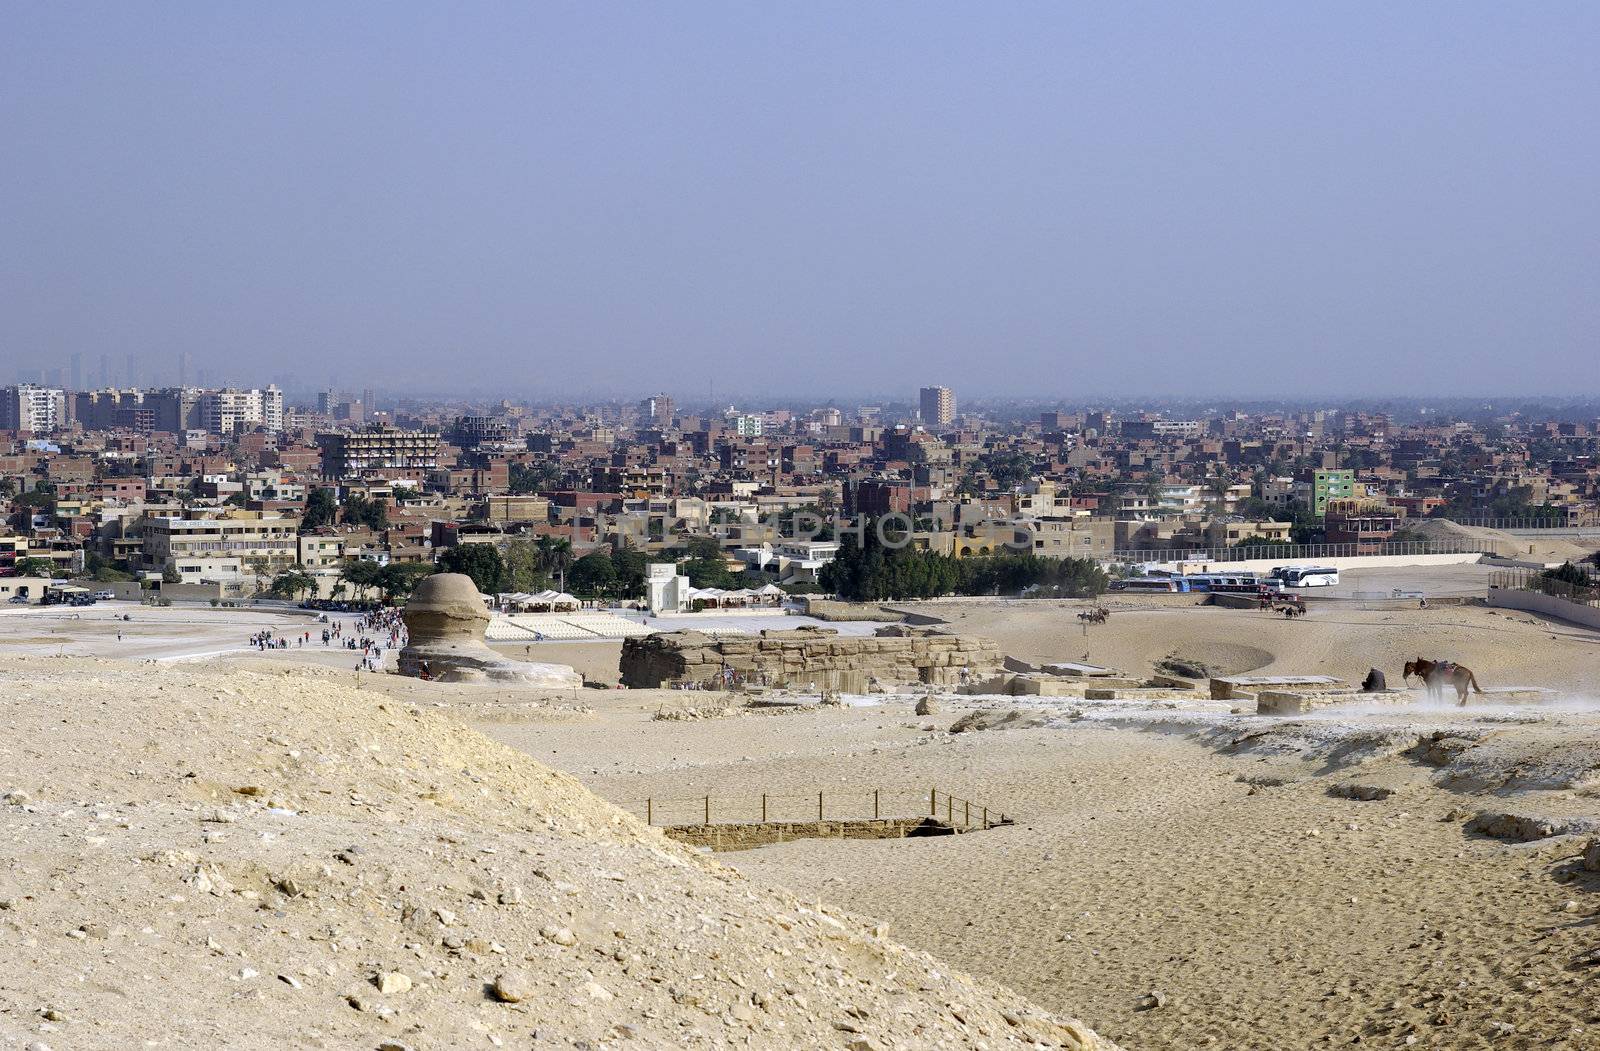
{"points": [[1014, 198]]}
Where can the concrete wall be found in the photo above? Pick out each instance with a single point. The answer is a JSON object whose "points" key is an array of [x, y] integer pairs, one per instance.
{"points": [[10, 587], [1548, 605], [1262, 565]]}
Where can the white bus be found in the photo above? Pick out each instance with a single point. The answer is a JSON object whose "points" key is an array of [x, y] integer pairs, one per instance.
{"points": [[1305, 576]]}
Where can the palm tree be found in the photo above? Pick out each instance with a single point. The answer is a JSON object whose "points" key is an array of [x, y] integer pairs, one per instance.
{"points": [[555, 555]]}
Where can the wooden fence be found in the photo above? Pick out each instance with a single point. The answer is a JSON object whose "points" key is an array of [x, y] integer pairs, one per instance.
{"points": [[836, 805]]}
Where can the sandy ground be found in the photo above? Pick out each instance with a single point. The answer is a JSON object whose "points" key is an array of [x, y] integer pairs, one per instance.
{"points": [[261, 856], [1151, 857], [1174, 850], [1503, 647], [1156, 854]]}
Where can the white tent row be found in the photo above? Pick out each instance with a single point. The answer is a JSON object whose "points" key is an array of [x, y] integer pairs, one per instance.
{"points": [[767, 594], [539, 600]]}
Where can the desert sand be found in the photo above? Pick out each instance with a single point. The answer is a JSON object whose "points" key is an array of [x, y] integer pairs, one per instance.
{"points": [[267, 857], [1178, 876], [1193, 855]]}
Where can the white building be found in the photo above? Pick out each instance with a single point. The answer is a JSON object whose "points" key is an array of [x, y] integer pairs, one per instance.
{"points": [[792, 561], [668, 591], [213, 548], [231, 411], [26, 407]]}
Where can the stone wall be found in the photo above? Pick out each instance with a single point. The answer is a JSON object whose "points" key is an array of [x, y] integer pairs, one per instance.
{"points": [[815, 658], [754, 834]]}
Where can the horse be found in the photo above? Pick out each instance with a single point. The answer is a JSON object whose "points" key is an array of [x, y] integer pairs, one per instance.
{"points": [[1436, 674]]}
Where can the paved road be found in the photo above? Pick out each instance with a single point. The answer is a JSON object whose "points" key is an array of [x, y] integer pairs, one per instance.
{"points": [[1469, 580]]}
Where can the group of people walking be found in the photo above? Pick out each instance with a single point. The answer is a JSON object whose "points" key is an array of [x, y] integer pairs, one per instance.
{"points": [[372, 635]]}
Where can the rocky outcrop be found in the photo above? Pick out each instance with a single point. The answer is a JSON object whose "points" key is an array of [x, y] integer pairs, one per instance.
{"points": [[1001, 719], [445, 623], [816, 658]]}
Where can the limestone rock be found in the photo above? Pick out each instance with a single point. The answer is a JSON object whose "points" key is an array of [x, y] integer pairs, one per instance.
{"points": [[391, 982], [511, 988], [927, 706]]}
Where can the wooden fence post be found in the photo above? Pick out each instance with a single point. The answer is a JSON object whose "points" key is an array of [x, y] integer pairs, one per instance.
{"points": [[763, 808], [649, 812], [708, 810], [875, 804], [933, 802], [819, 806]]}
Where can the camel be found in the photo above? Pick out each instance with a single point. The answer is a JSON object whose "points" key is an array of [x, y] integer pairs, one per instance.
{"points": [[1436, 674]]}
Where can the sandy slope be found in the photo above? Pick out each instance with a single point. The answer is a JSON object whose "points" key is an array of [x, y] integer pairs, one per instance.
{"points": [[203, 858]]}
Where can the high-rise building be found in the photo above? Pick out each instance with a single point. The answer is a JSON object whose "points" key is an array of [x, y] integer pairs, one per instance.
{"points": [[77, 371], [938, 406], [231, 411], [26, 407], [656, 411]]}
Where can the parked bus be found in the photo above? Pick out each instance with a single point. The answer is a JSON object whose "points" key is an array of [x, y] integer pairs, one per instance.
{"points": [[1225, 583], [1147, 585], [1305, 576]]}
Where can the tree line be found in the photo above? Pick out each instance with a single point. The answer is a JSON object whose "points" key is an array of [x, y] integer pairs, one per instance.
{"points": [[868, 570]]}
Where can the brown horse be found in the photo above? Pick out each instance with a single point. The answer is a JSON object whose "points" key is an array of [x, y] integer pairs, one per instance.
{"points": [[1435, 675]]}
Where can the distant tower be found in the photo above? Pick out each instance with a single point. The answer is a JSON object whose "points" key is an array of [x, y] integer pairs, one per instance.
{"points": [[131, 373], [77, 372], [183, 368], [938, 406], [105, 370], [656, 410]]}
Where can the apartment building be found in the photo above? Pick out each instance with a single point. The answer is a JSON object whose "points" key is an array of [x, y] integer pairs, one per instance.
{"points": [[937, 406], [203, 548], [25, 407], [376, 449], [229, 411]]}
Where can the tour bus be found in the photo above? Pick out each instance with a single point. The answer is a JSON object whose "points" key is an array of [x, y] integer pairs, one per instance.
{"points": [[1225, 583], [1157, 585], [1305, 576]]}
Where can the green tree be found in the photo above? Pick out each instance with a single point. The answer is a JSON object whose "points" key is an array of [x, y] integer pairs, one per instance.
{"points": [[397, 580], [291, 583], [41, 497], [593, 575], [481, 562], [320, 510], [524, 568], [630, 564], [1567, 573], [358, 574], [529, 478], [361, 510], [170, 574], [34, 566], [555, 556]]}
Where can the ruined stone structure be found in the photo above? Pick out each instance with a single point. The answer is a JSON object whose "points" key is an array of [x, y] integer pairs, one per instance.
{"points": [[445, 621], [814, 658]]}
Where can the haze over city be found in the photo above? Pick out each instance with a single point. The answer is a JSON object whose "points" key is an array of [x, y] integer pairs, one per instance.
{"points": [[571, 200]]}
